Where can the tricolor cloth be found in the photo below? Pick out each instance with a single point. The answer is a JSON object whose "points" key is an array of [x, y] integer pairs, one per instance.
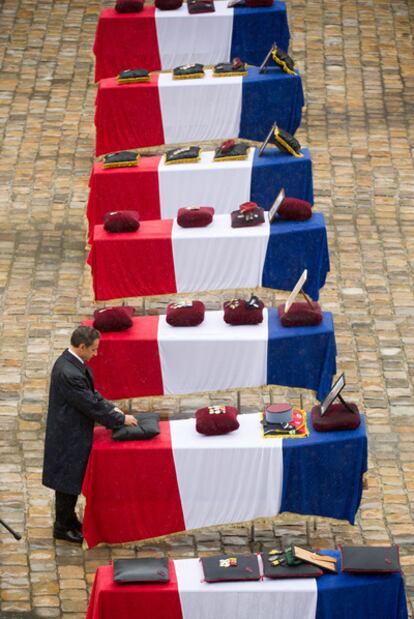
{"points": [[153, 358], [188, 596], [216, 480], [157, 190], [164, 258], [168, 111], [154, 39]]}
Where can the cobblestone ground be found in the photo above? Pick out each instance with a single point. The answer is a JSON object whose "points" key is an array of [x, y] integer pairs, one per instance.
{"points": [[356, 57]]}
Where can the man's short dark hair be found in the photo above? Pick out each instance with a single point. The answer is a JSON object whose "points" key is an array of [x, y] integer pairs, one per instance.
{"points": [[84, 335]]}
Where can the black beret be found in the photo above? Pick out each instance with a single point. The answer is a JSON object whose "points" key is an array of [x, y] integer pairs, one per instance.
{"points": [[121, 159]]}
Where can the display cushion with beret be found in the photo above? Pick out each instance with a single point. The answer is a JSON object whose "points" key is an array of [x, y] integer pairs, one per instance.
{"points": [[113, 318], [200, 6], [249, 214], [215, 420], [195, 216], [240, 312], [121, 221], [285, 61], [188, 71], [168, 5], [121, 159], [186, 154], [129, 6], [337, 417], [255, 3], [301, 315], [226, 69], [286, 142], [132, 76], [185, 314], [230, 150], [295, 209]]}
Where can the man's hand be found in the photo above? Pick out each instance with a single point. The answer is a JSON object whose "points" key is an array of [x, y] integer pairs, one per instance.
{"points": [[130, 420]]}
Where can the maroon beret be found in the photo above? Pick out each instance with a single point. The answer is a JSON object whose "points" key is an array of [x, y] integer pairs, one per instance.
{"points": [[213, 420], [113, 318], [295, 209], [301, 315], [129, 6], [337, 417], [241, 312], [195, 216], [168, 5], [121, 221], [183, 315], [254, 3], [249, 214]]}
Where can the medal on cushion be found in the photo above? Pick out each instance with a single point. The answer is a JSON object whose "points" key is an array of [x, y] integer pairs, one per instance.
{"points": [[253, 302]]}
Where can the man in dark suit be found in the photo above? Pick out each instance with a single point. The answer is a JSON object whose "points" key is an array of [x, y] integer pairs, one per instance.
{"points": [[74, 407]]}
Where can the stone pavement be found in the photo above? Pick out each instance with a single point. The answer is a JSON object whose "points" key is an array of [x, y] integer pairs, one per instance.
{"points": [[357, 61]]}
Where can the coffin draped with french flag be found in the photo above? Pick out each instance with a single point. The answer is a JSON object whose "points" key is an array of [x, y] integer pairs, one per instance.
{"points": [[182, 480], [157, 190], [169, 111], [164, 258], [153, 358], [188, 596], [155, 39]]}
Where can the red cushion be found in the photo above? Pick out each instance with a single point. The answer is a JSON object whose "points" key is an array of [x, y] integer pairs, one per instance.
{"points": [[185, 316], [242, 315], [254, 3], [301, 315], [113, 318], [168, 5], [196, 217], [249, 214], [121, 221], [211, 423], [295, 209], [129, 6], [337, 417]]}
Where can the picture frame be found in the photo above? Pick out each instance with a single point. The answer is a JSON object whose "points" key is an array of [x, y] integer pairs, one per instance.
{"points": [[333, 394], [296, 290], [263, 66], [266, 140], [276, 205]]}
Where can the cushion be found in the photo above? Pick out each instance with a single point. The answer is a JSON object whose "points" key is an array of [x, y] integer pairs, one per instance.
{"points": [[276, 566], [129, 6], [148, 426], [294, 209], [370, 559], [121, 221], [231, 567], [185, 314], [195, 216], [113, 318], [187, 154], [301, 315], [249, 214], [337, 417], [231, 151], [225, 69], [188, 71], [214, 420], [255, 3], [240, 312], [285, 61], [131, 76], [121, 159], [141, 570], [286, 142], [200, 6], [168, 5]]}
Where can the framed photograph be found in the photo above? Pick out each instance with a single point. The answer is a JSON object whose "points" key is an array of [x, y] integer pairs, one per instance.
{"points": [[266, 141], [276, 204], [298, 287], [333, 394], [233, 3], [263, 66]]}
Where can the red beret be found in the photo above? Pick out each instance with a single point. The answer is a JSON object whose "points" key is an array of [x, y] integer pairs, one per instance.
{"points": [[195, 217], [337, 417], [121, 221], [295, 209], [301, 315], [213, 420], [180, 315], [113, 318]]}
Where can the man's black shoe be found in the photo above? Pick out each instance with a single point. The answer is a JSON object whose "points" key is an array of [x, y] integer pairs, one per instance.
{"points": [[69, 535], [77, 526]]}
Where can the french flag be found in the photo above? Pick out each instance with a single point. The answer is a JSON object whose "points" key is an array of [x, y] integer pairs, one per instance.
{"points": [[161, 40], [170, 111], [164, 258], [157, 190]]}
